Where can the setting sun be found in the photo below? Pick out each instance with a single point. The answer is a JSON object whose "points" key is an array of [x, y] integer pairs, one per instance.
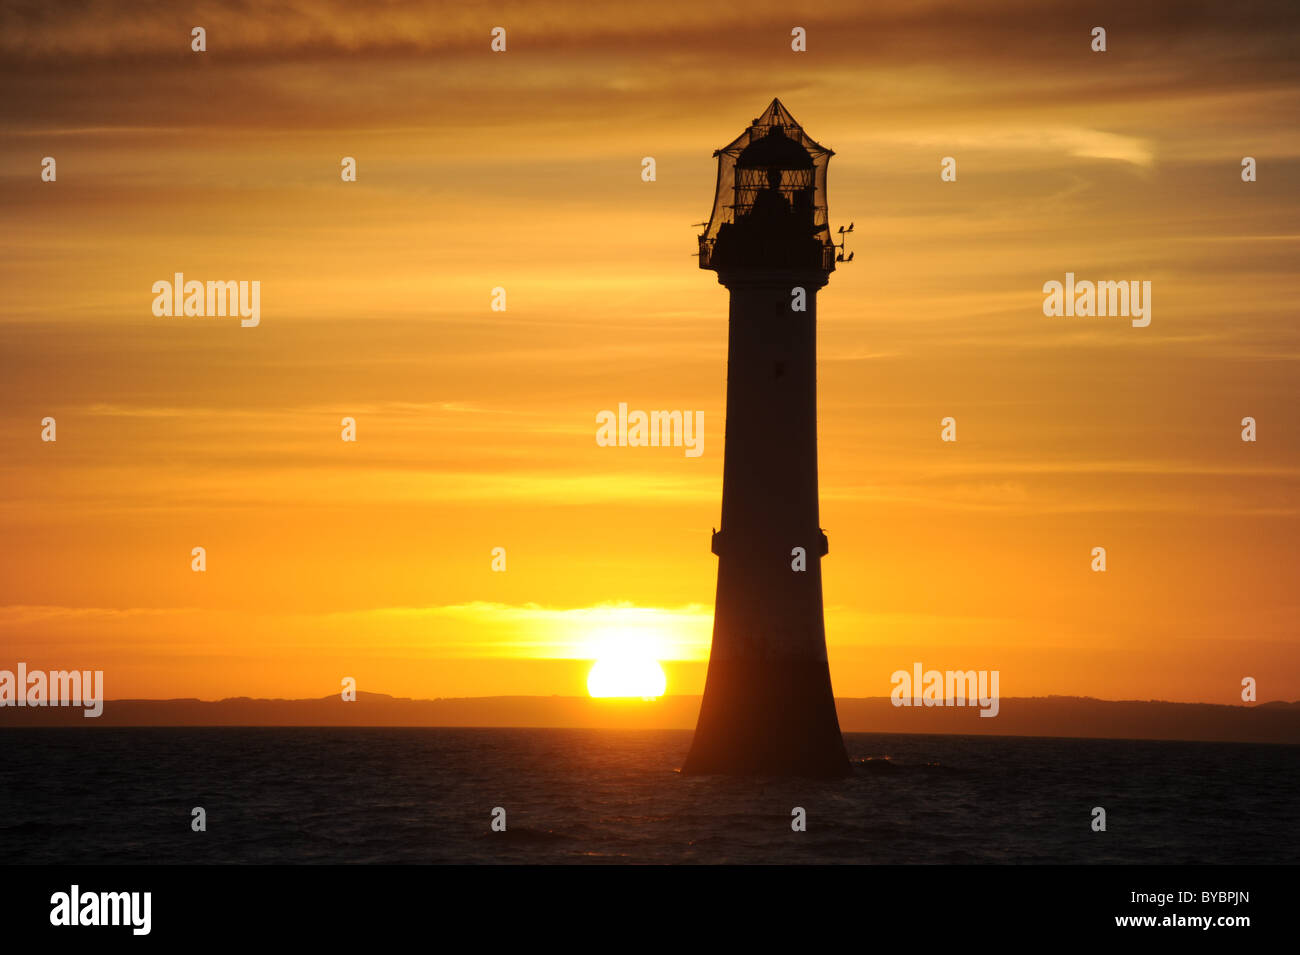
{"points": [[626, 668]]}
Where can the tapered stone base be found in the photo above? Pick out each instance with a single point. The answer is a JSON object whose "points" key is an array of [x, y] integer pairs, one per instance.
{"points": [[768, 717]]}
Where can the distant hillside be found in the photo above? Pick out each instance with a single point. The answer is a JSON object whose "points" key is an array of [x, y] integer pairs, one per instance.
{"points": [[1030, 716]]}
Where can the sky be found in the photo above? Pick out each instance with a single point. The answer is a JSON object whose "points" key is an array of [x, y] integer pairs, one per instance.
{"points": [[475, 428]]}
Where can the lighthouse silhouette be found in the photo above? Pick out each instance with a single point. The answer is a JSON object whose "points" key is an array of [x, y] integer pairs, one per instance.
{"points": [[768, 707]]}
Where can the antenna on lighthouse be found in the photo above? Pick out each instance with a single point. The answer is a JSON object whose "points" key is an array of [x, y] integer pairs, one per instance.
{"points": [[840, 245]]}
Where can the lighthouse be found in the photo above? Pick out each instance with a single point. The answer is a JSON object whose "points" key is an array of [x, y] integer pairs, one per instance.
{"points": [[768, 707]]}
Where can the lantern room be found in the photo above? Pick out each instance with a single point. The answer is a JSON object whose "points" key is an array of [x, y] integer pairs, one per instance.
{"points": [[769, 209]]}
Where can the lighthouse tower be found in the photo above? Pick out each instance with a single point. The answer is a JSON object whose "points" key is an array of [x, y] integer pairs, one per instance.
{"points": [[768, 706]]}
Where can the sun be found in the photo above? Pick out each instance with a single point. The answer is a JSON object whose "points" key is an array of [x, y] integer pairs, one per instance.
{"points": [[625, 668], [627, 677]]}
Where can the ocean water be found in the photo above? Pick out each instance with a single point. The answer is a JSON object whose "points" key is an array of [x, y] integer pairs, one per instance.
{"points": [[276, 795]]}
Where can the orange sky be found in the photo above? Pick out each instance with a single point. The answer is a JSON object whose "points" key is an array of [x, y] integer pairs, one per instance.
{"points": [[476, 428]]}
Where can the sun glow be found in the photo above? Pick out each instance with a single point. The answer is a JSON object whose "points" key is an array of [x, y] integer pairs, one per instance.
{"points": [[626, 667]]}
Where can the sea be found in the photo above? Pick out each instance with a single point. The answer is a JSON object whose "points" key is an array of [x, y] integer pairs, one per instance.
{"points": [[568, 796]]}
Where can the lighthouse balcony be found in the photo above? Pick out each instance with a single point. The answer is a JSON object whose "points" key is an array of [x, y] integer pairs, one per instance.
{"points": [[821, 545], [739, 248]]}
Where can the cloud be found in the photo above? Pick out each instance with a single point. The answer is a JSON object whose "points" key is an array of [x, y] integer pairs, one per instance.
{"points": [[478, 629], [337, 64]]}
